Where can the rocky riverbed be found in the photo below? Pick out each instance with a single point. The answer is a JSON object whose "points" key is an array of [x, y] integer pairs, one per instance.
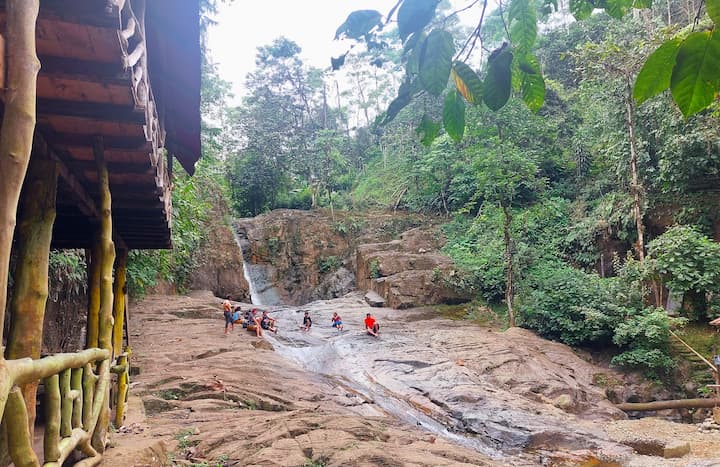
{"points": [[429, 391]]}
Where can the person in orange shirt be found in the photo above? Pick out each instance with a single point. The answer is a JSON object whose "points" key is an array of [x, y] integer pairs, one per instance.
{"points": [[371, 326]]}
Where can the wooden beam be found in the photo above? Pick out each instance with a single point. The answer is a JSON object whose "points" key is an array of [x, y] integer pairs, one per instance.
{"points": [[84, 70], [115, 167], [120, 143], [90, 110]]}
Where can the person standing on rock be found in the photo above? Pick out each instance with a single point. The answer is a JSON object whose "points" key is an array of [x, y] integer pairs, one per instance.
{"points": [[371, 326], [228, 313], [337, 321], [307, 322]]}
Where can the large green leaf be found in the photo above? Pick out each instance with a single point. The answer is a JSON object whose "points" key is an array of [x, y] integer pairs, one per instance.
{"points": [[654, 77], [523, 24], [618, 8], [405, 94], [696, 76], [713, 11], [467, 82], [581, 9], [532, 85], [435, 61], [498, 81], [454, 115], [642, 4], [428, 130], [414, 15], [359, 23]]}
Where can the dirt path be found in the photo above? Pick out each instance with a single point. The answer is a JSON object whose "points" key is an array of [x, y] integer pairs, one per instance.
{"points": [[234, 401]]}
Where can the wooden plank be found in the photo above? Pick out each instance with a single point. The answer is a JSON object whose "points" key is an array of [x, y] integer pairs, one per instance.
{"points": [[89, 110], [114, 167], [51, 87], [71, 140], [84, 70]]}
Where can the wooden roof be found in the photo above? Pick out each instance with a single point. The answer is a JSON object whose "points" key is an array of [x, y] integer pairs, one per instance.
{"points": [[116, 72]]}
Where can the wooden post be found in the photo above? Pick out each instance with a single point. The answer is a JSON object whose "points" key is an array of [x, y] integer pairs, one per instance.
{"points": [[30, 293], [107, 248], [93, 317], [119, 300], [18, 125]]}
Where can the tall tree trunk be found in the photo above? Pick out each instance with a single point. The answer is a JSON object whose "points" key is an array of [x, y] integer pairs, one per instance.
{"points": [[636, 188], [30, 293], [18, 126], [509, 278]]}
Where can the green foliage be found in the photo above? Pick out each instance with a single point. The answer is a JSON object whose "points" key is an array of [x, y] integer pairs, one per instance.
{"points": [[696, 75], [375, 268], [646, 335], [686, 260], [359, 23], [414, 15], [436, 57], [454, 115], [498, 81], [569, 305], [328, 264], [67, 272]]}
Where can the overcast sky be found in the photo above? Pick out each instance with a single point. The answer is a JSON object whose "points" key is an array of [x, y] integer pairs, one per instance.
{"points": [[245, 25]]}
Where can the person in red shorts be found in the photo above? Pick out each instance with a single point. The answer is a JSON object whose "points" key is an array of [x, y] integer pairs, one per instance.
{"points": [[371, 326]]}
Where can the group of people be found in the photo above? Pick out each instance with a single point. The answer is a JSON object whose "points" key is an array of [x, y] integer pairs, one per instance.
{"points": [[253, 322], [250, 320]]}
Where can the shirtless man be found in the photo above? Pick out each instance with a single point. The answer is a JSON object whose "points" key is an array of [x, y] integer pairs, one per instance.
{"points": [[228, 313], [371, 326]]}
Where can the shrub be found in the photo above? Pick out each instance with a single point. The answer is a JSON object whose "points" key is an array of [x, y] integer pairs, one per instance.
{"points": [[563, 303], [329, 264], [645, 334]]}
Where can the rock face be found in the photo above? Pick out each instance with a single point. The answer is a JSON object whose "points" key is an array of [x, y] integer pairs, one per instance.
{"points": [[408, 272], [309, 255], [220, 265]]}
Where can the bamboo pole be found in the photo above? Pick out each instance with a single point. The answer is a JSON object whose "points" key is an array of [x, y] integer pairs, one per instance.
{"points": [[119, 300], [93, 320], [101, 411], [106, 288], [19, 440], [32, 247], [18, 126], [77, 388], [674, 404], [122, 391], [88, 383], [66, 404], [52, 418]]}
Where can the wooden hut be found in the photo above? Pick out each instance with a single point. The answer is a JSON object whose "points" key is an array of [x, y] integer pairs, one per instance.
{"points": [[86, 152]]}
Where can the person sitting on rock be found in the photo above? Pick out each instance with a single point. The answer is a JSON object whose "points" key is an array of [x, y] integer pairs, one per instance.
{"points": [[371, 326], [266, 322], [228, 313], [252, 322], [307, 322], [337, 321]]}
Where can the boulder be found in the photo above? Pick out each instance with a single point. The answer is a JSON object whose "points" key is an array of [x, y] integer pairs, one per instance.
{"points": [[373, 299]]}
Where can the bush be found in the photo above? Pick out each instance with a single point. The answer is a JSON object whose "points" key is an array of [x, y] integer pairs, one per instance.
{"points": [[329, 264], [646, 335], [563, 303]]}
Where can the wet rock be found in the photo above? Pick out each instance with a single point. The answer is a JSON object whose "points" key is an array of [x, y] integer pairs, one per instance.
{"points": [[337, 284], [374, 299]]}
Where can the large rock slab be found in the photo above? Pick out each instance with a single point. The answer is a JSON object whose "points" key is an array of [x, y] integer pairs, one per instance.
{"points": [[408, 272]]}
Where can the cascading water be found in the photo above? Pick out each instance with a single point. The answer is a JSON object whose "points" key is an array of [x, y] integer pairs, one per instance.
{"points": [[262, 291]]}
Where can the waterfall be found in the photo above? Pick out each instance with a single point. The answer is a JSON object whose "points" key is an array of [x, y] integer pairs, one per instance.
{"points": [[254, 295]]}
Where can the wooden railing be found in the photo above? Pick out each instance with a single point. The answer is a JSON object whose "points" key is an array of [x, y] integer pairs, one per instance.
{"points": [[74, 398]]}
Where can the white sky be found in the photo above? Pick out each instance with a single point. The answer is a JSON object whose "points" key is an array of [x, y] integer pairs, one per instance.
{"points": [[245, 25]]}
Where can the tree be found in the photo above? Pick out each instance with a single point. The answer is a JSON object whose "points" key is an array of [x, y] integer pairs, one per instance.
{"points": [[689, 64]]}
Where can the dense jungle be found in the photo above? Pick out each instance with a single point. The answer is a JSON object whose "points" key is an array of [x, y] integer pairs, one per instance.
{"points": [[563, 198]]}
